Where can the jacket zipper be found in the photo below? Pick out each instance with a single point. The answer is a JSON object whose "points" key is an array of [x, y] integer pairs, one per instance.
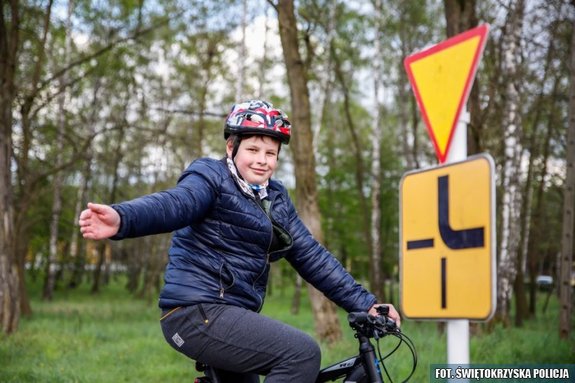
{"points": [[267, 253], [222, 289]]}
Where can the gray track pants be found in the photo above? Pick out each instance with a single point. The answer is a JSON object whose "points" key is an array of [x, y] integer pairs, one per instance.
{"points": [[243, 343]]}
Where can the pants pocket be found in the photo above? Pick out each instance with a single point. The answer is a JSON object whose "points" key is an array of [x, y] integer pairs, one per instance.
{"points": [[182, 329]]}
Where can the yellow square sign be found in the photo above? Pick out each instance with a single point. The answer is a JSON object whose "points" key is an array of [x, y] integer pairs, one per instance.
{"points": [[447, 235]]}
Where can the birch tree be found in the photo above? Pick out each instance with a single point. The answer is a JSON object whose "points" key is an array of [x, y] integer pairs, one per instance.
{"points": [[511, 172]]}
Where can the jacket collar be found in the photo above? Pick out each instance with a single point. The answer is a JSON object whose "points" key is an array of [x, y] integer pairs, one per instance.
{"points": [[250, 190]]}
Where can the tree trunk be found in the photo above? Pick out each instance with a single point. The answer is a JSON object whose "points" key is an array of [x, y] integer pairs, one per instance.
{"points": [[405, 101], [511, 203], [521, 306], [376, 277], [24, 174], [21, 239], [51, 268], [9, 279], [568, 211], [326, 320], [533, 237], [51, 264], [530, 247]]}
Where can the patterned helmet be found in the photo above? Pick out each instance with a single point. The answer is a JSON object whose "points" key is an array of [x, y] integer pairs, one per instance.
{"points": [[258, 117]]}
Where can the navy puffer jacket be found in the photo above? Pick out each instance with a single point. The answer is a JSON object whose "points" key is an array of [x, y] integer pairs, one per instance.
{"points": [[221, 241]]}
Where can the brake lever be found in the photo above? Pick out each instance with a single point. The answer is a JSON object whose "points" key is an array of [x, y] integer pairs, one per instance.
{"points": [[386, 325]]}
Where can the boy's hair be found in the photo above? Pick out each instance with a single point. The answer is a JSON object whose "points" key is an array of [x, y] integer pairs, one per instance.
{"points": [[236, 139]]}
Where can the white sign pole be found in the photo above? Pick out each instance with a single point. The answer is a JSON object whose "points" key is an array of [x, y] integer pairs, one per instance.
{"points": [[458, 147], [458, 330]]}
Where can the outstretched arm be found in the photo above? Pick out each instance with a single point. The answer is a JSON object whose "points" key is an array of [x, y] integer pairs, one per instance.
{"points": [[99, 221]]}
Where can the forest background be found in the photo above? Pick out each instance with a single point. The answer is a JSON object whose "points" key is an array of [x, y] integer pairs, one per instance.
{"points": [[105, 101]]}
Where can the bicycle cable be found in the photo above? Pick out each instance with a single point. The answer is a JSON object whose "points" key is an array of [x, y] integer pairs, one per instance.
{"points": [[403, 339]]}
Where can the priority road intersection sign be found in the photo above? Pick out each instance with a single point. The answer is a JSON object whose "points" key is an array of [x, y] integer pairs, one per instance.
{"points": [[447, 237]]}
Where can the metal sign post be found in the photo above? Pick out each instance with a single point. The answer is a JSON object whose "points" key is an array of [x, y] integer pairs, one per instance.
{"points": [[458, 329]]}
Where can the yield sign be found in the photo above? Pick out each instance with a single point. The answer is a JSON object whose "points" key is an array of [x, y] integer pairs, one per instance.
{"points": [[441, 77]]}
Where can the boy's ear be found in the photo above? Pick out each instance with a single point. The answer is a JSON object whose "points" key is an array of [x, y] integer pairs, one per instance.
{"points": [[229, 147]]}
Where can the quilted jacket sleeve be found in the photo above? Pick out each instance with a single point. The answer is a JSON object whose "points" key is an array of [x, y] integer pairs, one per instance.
{"points": [[320, 268], [174, 208]]}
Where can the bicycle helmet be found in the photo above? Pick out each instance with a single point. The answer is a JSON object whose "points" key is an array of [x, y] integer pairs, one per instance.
{"points": [[258, 117]]}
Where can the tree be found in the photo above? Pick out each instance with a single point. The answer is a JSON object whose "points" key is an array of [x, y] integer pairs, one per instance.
{"points": [[509, 244], [51, 269], [541, 130], [326, 321], [377, 278], [358, 146], [416, 148], [566, 265], [9, 278]]}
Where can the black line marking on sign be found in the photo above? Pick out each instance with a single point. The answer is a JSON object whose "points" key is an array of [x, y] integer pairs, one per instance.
{"points": [[455, 239], [420, 244], [443, 283]]}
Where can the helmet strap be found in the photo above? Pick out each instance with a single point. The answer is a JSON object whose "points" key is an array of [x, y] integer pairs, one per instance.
{"points": [[236, 147]]}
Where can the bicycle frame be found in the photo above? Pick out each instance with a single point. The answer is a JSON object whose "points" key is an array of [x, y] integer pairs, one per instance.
{"points": [[362, 365], [339, 370]]}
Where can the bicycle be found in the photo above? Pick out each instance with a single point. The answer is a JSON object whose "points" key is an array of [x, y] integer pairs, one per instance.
{"points": [[367, 366]]}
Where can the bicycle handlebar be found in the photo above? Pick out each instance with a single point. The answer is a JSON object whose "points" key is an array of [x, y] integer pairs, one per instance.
{"points": [[376, 327], [371, 326]]}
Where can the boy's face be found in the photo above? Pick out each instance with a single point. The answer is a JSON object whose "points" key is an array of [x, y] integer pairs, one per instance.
{"points": [[257, 158]]}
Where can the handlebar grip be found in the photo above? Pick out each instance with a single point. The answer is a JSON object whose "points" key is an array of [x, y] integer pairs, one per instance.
{"points": [[357, 317], [371, 326]]}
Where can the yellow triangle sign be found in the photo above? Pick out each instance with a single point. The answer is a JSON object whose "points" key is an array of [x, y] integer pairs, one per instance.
{"points": [[441, 78]]}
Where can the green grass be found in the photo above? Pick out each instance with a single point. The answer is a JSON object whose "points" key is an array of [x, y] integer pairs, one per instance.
{"points": [[112, 337]]}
